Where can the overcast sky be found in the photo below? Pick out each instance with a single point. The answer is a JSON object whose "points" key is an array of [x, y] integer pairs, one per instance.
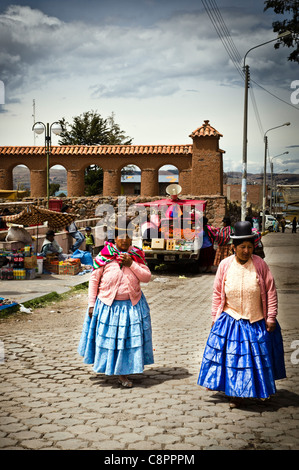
{"points": [[158, 65]]}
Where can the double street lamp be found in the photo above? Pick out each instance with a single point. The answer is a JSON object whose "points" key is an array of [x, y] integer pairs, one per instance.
{"points": [[39, 128], [245, 125]]}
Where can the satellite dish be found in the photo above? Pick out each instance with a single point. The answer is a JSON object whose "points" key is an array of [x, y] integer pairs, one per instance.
{"points": [[173, 189]]}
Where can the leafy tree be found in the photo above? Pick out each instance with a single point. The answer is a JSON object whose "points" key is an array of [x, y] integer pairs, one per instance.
{"points": [[116, 135], [53, 188], [289, 8], [90, 128]]}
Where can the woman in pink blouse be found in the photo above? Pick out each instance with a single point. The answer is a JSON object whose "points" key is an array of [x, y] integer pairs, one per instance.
{"points": [[117, 334], [244, 352]]}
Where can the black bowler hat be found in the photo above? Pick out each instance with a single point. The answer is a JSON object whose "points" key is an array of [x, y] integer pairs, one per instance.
{"points": [[242, 230]]}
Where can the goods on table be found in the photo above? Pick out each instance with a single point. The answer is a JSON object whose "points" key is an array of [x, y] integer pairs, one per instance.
{"points": [[6, 303], [18, 265], [71, 266]]}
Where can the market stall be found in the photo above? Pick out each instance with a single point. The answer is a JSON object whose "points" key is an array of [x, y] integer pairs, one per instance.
{"points": [[179, 228], [19, 258]]}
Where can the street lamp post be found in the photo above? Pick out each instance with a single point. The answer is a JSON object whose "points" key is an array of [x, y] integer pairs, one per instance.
{"points": [[245, 125], [265, 171], [39, 128]]}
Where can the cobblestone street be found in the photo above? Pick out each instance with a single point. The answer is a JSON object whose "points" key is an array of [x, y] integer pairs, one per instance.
{"points": [[51, 400]]}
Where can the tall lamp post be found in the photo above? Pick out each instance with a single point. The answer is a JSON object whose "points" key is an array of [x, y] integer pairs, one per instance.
{"points": [[265, 171], [39, 128], [271, 169], [245, 125]]}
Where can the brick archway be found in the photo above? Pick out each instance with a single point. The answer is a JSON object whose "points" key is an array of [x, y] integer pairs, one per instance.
{"points": [[199, 164]]}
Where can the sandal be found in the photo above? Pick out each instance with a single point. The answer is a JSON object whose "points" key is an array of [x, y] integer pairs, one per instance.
{"points": [[235, 403], [126, 383]]}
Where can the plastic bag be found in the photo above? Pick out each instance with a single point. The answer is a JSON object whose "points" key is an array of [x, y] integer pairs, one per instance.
{"points": [[18, 234], [84, 256]]}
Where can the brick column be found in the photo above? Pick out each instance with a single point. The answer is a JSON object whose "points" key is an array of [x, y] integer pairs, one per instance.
{"points": [[207, 167], [6, 181], [38, 183], [185, 181], [111, 183], [149, 182], [75, 183]]}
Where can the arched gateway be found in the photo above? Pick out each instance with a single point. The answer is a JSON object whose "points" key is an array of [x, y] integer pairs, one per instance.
{"points": [[200, 165]]}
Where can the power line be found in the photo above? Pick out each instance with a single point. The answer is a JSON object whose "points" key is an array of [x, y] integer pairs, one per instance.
{"points": [[218, 22], [227, 41]]}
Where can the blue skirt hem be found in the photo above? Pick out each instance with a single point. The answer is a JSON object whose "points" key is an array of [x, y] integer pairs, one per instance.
{"points": [[117, 340], [242, 359]]}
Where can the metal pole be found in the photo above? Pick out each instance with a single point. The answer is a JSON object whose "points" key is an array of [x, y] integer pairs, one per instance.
{"points": [[244, 163], [48, 139], [264, 183], [271, 168]]}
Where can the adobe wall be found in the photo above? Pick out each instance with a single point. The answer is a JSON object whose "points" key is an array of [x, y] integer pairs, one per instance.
{"points": [[200, 165], [254, 193], [85, 207]]}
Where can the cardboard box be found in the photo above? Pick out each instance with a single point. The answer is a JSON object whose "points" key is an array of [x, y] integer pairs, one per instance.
{"points": [[52, 267], [70, 269], [30, 262], [158, 243], [170, 244]]}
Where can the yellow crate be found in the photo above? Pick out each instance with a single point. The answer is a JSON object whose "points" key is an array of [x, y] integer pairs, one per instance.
{"points": [[170, 244]]}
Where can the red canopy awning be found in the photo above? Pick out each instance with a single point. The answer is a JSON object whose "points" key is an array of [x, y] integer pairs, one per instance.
{"points": [[169, 202]]}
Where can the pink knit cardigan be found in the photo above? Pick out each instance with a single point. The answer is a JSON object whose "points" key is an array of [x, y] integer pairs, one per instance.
{"points": [[104, 282], [266, 283]]}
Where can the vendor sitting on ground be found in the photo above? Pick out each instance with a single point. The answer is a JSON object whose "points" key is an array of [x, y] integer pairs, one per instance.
{"points": [[51, 246]]}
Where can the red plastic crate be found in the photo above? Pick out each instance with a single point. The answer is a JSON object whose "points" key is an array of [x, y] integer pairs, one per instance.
{"points": [[55, 205]]}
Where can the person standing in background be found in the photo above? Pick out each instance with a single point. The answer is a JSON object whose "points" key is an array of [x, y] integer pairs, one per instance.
{"points": [[74, 232], [89, 240]]}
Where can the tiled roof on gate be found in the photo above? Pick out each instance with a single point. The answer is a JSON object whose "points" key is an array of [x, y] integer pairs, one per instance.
{"points": [[206, 130], [100, 150]]}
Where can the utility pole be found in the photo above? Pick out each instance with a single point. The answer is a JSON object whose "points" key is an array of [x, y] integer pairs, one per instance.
{"points": [[244, 163]]}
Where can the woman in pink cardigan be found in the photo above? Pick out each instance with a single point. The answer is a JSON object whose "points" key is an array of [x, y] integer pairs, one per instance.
{"points": [[117, 335], [244, 352]]}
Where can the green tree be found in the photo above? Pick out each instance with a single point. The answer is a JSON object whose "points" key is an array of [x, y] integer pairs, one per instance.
{"points": [[90, 128], [53, 188], [290, 9]]}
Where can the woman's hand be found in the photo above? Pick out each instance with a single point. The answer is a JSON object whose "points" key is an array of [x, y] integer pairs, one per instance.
{"points": [[270, 326], [90, 312], [126, 260]]}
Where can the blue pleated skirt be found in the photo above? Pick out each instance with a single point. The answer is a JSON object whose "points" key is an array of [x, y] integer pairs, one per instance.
{"points": [[242, 359], [117, 340]]}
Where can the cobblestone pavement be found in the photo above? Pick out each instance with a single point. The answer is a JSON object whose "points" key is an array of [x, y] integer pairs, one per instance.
{"points": [[51, 400]]}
